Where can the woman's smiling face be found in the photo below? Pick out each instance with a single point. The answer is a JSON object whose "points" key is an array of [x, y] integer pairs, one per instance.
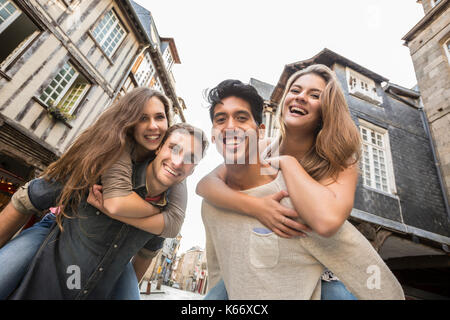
{"points": [[152, 126], [302, 107]]}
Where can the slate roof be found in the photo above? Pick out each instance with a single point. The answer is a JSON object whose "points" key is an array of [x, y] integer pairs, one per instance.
{"points": [[264, 89]]}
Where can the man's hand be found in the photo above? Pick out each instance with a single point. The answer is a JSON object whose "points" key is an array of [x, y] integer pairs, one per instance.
{"points": [[95, 198], [279, 218]]}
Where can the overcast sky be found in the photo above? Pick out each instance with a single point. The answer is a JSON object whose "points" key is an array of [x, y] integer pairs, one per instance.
{"points": [[243, 39]]}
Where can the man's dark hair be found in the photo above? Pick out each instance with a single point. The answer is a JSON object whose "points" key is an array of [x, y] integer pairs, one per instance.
{"points": [[235, 88], [193, 131]]}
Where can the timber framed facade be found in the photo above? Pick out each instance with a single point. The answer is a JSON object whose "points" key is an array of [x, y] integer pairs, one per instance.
{"points": [[62, 63]]}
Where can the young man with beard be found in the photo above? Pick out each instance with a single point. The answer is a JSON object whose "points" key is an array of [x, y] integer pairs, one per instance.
{"points": [[254, 262]]}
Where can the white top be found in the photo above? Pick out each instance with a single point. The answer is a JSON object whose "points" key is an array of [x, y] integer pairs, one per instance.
{"points": [[257, 264]]}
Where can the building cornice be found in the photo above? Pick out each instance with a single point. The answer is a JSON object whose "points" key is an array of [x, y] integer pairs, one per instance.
{"points": [[326, 57], [425, 21]]}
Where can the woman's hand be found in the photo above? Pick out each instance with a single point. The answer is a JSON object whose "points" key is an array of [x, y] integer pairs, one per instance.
{"points": [[95, 198], [277, 217]]}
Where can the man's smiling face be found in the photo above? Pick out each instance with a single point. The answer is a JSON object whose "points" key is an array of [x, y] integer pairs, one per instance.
{"points": [[176, 158], [235, 131]]}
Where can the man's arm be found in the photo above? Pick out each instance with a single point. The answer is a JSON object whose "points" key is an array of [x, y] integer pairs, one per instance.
{"points": [[130, 206], [11, 220], [167, 224]]}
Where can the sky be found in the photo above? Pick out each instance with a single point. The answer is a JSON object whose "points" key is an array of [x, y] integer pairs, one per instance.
{"points": [[243, 39]]}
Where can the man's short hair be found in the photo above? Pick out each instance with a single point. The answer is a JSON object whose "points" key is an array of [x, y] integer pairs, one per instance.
{"points": [[235, 88], [193, 131]]}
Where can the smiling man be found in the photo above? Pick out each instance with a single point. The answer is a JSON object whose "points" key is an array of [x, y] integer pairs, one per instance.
{"points": [[86, 260]]}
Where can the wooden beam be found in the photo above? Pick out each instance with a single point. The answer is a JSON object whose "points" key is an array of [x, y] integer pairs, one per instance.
{"points": [[419, 262]]}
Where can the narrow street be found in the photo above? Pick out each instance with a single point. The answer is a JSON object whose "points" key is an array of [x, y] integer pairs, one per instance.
{"points": [[168, 293]]}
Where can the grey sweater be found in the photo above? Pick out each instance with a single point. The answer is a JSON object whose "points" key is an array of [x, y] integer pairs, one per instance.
{"points": [[257, 264]]}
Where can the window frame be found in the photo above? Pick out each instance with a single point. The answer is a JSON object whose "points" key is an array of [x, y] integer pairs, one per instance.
{"points": [[168, 58], [6, 23], [386, 148], [157, 85], [24, 45], [63, 95], [130, 82], [111, 59], [447, 49], [368, 93], [140, 70]]}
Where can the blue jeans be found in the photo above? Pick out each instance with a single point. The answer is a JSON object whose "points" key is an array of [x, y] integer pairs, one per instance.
{"points": [[332, 290], [17, 254], [335, 290]]}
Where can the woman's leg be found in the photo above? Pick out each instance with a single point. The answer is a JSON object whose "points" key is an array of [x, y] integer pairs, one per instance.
{"points": [[127, 287], [17, 254], [335, 290], [218, 292]]}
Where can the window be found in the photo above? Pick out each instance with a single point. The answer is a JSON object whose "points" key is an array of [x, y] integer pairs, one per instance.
{"points": [[109, 33], [66, 90], [17, 31], [127, 86], [376, 163], [155, 84], [145, 71], [434, 2], [168, 59], [8, 13], [447, 49], [362, 87]]}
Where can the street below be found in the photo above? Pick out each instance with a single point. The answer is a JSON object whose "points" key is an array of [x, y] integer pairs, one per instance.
{"points": [[167, 293]]}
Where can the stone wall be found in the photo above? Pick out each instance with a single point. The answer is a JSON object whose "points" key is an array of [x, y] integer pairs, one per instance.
{"points": [[433, 76]]}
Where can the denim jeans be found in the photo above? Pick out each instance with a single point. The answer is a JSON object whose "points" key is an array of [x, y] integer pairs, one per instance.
{"points": [[332, 290], [92, 252], [127, 287], [17, 254], [335, 290]]}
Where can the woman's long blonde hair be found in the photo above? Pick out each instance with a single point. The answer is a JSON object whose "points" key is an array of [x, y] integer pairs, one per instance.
{"points": [[98, 147], [337, 140]]}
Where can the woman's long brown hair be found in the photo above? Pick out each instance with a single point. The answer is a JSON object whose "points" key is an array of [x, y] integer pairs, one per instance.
{"points": [[337, 141], [98, 147]]}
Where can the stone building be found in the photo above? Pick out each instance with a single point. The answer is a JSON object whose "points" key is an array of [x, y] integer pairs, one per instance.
{"points": [[399, 203], [153, 67], [62, 62], [201, 282], [265, 90], [162, 265], [189, 270], [429, 45]]}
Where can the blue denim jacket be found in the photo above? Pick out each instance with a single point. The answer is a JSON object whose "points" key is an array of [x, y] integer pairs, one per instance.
{"points": [[87, 258]]}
